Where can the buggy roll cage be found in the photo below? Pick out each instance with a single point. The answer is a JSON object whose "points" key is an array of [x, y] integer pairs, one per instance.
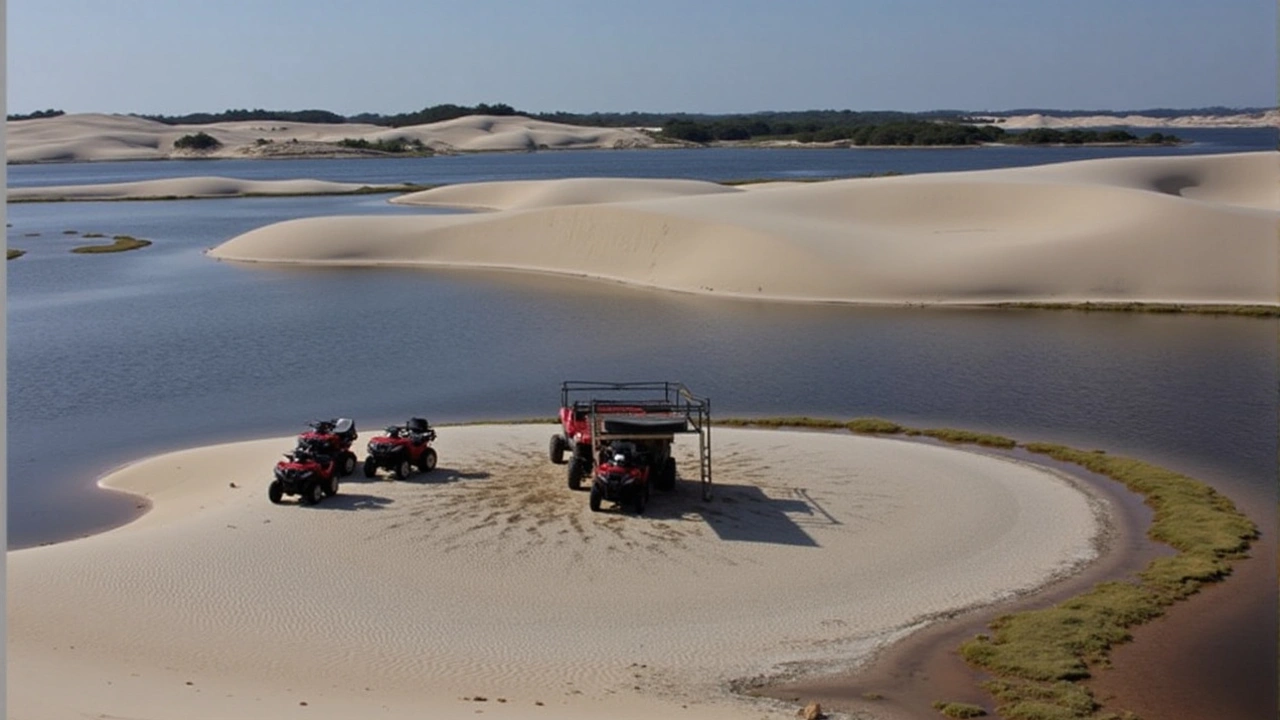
{"points": [[601, 401]]}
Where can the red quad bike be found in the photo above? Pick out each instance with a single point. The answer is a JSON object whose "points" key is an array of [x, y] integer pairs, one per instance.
{"points": [[334, 438], [639, 418], [622, 477], [308, 472], [401, 448]]}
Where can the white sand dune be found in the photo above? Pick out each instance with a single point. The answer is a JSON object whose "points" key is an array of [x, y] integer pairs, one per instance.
{"points": [[523, 194], [190, 187], [1269, 118], [88, 137], [490, 578], [1195, 229]]}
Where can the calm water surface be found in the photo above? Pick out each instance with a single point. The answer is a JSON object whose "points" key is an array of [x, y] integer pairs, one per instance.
{"points": [[114, 357]]}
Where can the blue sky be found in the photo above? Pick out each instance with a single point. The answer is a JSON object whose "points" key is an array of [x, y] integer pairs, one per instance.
{"points": [[714, 56]]}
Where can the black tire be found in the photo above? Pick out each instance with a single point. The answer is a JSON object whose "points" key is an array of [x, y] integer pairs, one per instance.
{"points": [[402, 469], [641, 500], [331, 486], [596, 496], [275, 491], [370, 467], [348, 461], [575, 473], [557, 448], [312, 493], [667, 478], [427, 462]]}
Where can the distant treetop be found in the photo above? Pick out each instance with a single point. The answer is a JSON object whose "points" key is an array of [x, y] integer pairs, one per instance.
{"points": [[37, 114]]}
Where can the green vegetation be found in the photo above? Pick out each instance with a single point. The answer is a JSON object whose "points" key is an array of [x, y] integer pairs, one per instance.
{"points": [[121, 244], [780, 422], [1248, 310], [1076, 136], [898, 132], [36, 115], [1036, 658], [15, 253], [874, 426], [968, 437], [93, 235], [198, 141], [959, 710], [397, 145]]}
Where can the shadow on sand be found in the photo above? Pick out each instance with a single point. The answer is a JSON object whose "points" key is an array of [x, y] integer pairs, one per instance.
{"points": [[742, 513]]}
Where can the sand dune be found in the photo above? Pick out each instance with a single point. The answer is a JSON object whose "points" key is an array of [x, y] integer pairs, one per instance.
{"points": [[1197, 229], [518, 194], [490, 578], [193, 187], [87, 137], [1269, 118]]}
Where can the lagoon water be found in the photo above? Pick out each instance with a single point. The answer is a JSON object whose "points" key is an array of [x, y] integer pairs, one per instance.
{"points": [[114, 357]]}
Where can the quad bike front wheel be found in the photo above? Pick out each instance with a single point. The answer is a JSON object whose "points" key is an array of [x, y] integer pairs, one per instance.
{"points": [[427, 462], [403, 469], [370, 467], [575, 473], [331, 487], [642, 499], [556, 450], [348, 463], [275, 491], [596, 496], [312, 494]]}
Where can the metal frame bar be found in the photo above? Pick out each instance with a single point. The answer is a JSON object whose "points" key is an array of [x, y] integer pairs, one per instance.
{"points": [[676, 400]]}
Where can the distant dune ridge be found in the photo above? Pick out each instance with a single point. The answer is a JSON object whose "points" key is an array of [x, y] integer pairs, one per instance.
{"points": [[89, 137], [1196, 229]]}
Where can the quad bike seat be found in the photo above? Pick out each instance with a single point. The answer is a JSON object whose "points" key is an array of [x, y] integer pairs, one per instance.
{"points": [[344, 426]]}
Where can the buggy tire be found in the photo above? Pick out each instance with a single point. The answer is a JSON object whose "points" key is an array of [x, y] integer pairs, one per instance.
{"points": [[597, 494], [370, 467], [275, 491], [402, 469], [556, 450], [575, 474], [667, 478], [348, 460], [641, 500], [331, 486], [427, 462], [312, 493]]}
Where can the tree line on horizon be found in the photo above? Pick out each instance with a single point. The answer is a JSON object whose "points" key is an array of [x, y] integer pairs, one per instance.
{"points": [[814, 119]]}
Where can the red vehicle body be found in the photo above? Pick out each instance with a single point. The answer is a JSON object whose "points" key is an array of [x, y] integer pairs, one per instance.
{"points": [[401, 449], [620, 436], [306, 472], [334, 438], [622, 477]]}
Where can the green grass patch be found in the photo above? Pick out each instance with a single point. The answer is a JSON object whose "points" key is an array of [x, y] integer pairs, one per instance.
{"points": [[1159, 308], [873, 426], [796, 421], [93, 235], [958, 710], [14, 253], [121, 244], [968, 437]]}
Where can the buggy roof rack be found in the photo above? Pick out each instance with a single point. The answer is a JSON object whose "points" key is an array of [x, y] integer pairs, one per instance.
{"points": [[652, 410]]}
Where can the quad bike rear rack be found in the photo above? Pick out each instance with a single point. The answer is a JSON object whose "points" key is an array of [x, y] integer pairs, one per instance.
{"points": [[643, 411]]}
